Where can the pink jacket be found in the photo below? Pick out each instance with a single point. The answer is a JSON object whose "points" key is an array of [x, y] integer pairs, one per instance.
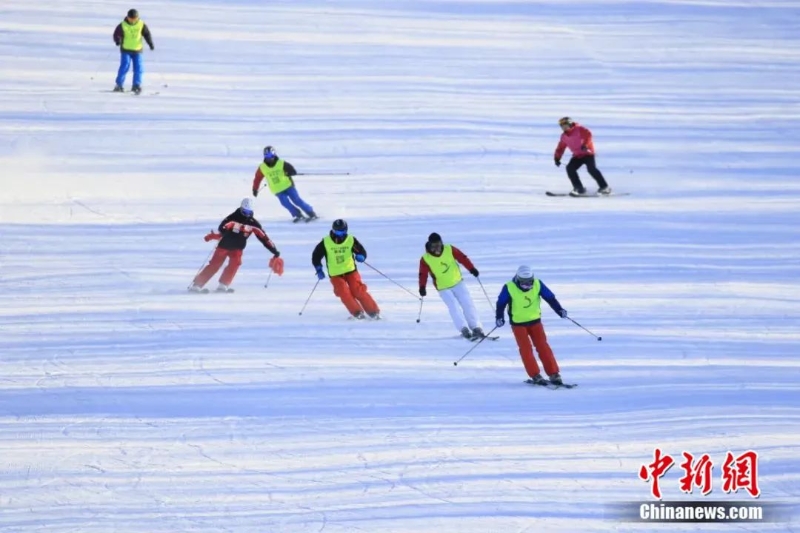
{"points": [[576, 138]]}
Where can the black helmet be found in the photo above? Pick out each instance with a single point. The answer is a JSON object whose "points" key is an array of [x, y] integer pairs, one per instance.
{"points": [[133, 14], [339, 225], [270, 153], [565, 121], [431, 247]]}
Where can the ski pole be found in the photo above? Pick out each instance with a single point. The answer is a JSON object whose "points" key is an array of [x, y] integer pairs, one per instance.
{"points": [[586, 330], [419, 316], [203, 265], [455, 363], [266, 285], [309, 297], [485, 293], [322, 174], [100, 65], [393, 281]]}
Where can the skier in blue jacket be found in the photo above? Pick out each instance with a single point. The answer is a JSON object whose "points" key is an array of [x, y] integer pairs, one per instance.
{"points": [[522, 296]]}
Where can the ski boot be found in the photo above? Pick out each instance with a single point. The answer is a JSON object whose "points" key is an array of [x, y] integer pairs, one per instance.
{"points": [[578, 192], [298, 218], [119, 89], [197, 288], [223, 288], [604, 191], [537, 380], [466, 333], [477, 334], [137, 89], [374, 316], [360, 315], [555, 379]]}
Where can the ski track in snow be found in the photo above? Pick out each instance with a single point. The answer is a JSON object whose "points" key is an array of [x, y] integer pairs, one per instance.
{"points": [[127, 405]]}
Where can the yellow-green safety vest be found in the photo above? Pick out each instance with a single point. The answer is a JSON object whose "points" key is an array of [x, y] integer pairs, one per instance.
{"points": [[339, 257], [445, 269], [276, 178], [525, 306], [132, 36]]}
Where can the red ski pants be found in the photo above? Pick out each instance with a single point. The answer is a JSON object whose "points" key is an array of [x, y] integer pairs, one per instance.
{"points": [[353, 293], [534, 333], [220, 254]]}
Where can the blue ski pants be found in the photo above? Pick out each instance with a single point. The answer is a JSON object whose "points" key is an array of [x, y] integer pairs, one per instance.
{"points": [[290, 199], [125, 60]]}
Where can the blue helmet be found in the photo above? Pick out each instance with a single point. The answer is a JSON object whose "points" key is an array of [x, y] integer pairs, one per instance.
{"points": [[270, 153]]}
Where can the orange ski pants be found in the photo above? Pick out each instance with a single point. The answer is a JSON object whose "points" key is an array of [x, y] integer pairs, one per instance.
{"points": [[529, 337], [234, 262], [353, 293]]}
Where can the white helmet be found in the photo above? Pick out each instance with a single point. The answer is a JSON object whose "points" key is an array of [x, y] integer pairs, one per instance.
{"points": [[524, 277], [524, 272], [247, 207]]}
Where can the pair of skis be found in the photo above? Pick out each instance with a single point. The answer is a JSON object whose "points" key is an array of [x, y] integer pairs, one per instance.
{"points": [[587, 195], [551, 385], [475, 338], [365, 318], [204, 290]]}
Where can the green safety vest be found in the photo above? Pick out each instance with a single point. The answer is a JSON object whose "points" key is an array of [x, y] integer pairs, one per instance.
{"points": [[132, 36], [525, 306], [445, 269], [339, 257], [276, 178]]}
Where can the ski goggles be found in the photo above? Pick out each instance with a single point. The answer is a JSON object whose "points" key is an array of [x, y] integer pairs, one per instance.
{"points": [[525, 284], [270, 154], [246, 212], [340, 232]]}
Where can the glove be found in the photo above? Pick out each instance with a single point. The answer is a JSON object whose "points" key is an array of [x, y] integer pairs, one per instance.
{"points": [[152, 47], [558, 162], [276, 264], [474, 272], [583, 148], [277, 253], [500, 322], [360, 258], [255, 193], [563, 313], [320, 273], [423, 291], [212, 236]]}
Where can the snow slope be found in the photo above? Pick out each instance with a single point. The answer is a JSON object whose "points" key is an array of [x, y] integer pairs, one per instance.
{"points": [[127, 405]]}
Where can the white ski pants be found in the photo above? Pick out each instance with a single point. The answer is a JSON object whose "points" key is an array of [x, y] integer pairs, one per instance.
{"points": [[462, 309]]}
